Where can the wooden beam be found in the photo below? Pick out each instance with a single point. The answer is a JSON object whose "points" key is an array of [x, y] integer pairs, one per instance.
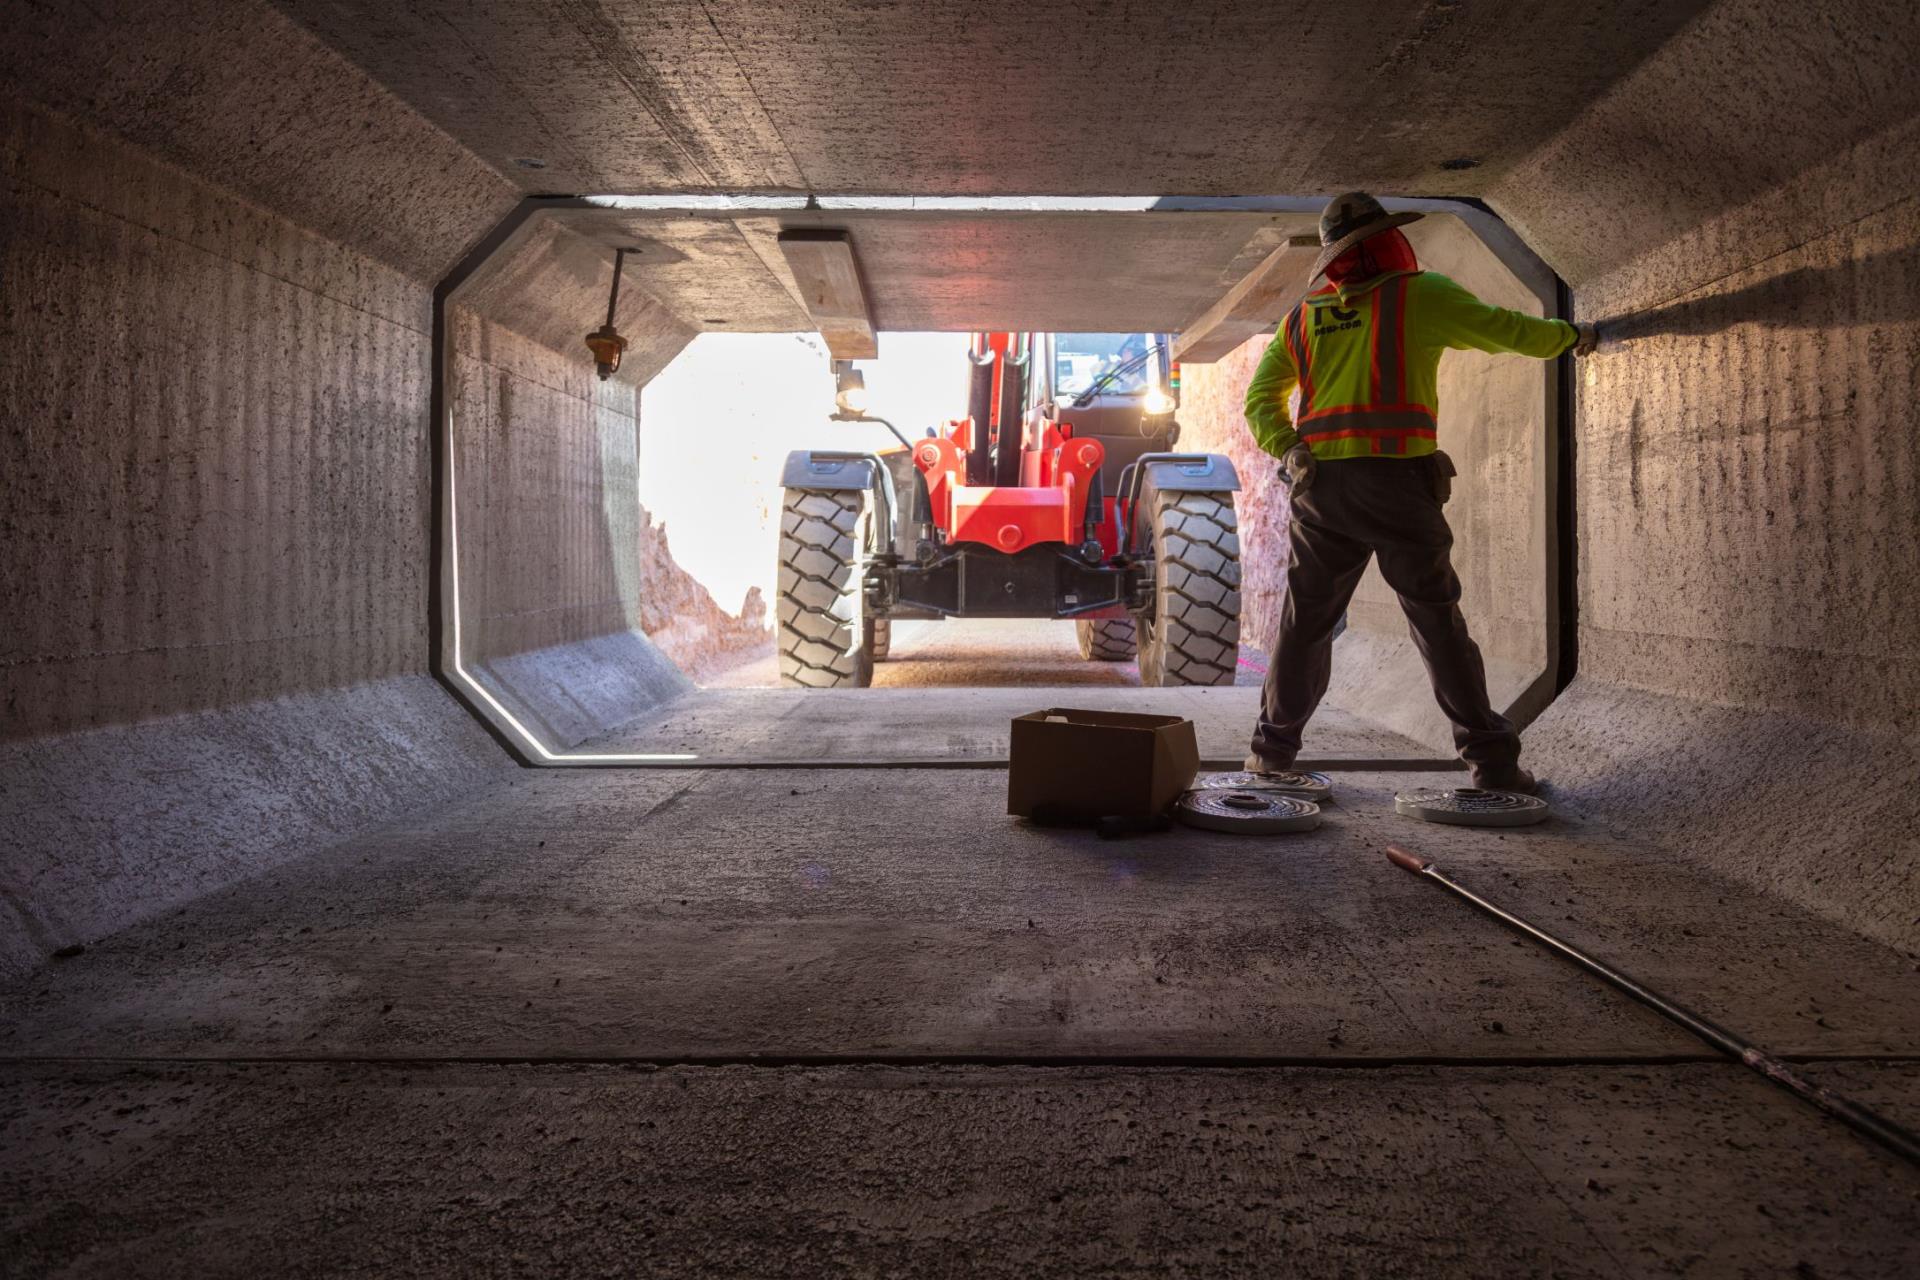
{"points": [[1253, 307], [823, 266]]}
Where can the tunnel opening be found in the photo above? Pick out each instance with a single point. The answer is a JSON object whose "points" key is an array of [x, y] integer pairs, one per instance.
{"points": [[718, 422], [1211, 274]]}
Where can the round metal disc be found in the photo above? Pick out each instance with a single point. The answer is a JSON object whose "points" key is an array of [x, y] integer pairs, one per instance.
{"points": [[1472, 807], [1316, 787], [1252, 813]]}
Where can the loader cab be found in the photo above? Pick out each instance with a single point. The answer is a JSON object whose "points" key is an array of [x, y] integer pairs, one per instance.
{"points": [[1122, 389]]}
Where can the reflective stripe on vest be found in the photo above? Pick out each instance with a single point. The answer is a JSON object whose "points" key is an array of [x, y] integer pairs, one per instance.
{"points": [[1384, 420], [1295, 332]]}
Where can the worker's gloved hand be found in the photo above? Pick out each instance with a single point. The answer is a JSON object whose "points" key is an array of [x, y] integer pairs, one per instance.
{"points": [[1589, 339], [1297, 468]]}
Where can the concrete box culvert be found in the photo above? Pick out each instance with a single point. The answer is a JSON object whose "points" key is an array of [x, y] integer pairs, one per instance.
{"points": [[1152, 264]]}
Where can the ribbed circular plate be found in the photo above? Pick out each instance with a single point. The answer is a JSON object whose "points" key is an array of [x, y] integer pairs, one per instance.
{"points": [[1472, 807], [1316, 787], [1251, 813]]}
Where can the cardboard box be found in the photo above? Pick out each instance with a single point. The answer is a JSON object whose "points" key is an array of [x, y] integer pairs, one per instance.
{"points": [[1085, 765]]}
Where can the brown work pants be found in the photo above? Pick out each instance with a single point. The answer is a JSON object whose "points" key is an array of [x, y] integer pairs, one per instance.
{"points": [[1392, 508]]}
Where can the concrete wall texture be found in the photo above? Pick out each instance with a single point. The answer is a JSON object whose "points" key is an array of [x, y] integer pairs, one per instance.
{"points": [[214, 477], [549, 534], [546, 458], [1747, 451], [1746, 442], [244, 99], [214, 487], [213, 361]]}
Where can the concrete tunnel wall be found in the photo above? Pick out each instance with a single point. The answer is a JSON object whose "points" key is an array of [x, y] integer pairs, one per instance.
{"points": [[1741, 211], [214, 484], [549, 515], [1742, 202], [214, 362]]}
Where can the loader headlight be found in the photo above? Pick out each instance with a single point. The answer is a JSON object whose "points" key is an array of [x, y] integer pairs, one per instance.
{"points": [[849, 389], [1157, 402]]}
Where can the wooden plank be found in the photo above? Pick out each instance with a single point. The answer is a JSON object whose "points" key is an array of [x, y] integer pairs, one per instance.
{"points": [[1253, 307], [824, 267], [1254, 252]]}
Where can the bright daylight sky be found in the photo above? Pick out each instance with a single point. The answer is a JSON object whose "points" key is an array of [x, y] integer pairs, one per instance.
{"points": [[716, 426]]}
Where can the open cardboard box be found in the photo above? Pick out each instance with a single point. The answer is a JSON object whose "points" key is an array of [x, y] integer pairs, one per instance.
{"points": [[1082, 766]]}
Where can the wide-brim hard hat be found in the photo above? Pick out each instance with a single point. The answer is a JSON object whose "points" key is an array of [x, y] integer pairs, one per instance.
{"points": [[1347, 220]]}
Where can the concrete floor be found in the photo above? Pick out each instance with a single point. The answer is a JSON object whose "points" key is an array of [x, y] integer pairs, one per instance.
{"points": [[620, 1021], [986, 653], [226, 1169], [959, 727], [995, 670]]}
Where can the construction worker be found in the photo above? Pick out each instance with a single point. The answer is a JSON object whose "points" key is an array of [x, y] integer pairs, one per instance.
{"points": [[1360, 460]]}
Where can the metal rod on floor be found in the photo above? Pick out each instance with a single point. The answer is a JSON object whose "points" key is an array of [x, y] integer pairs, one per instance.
{"points": [[1870, 1123]]}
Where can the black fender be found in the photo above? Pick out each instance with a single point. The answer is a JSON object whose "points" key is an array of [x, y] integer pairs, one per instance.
{"points": [[1171, 473], [829, 470], [835, 471], [1190, 473]]}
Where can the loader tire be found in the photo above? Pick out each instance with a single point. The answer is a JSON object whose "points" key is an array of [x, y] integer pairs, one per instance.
{"points": [[1191, 635], [822, 606], [1105, 639], [879, 637]]}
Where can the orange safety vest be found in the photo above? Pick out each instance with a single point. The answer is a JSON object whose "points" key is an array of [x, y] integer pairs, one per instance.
{"points": [[1352, 361]]}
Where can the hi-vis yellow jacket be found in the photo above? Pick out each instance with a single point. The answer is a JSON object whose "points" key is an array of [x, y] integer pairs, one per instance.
{"points": [[1366, 361]]}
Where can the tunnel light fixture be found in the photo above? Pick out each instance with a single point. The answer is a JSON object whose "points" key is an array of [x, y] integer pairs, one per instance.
{"points": [[746, 204], [684, 202], [690, 202], [605, 342], [990, 204]]}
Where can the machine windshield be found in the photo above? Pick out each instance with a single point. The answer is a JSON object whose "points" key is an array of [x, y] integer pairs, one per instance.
{"points": [[1082, 359]]}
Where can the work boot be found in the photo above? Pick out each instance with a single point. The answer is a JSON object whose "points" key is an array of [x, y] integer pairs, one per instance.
{"points": [[1267, 764], [1504, 777]]}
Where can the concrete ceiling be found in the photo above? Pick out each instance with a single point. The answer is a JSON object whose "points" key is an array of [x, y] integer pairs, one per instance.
{"points": [[986, 98], [998, 96], [959, 271]]}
